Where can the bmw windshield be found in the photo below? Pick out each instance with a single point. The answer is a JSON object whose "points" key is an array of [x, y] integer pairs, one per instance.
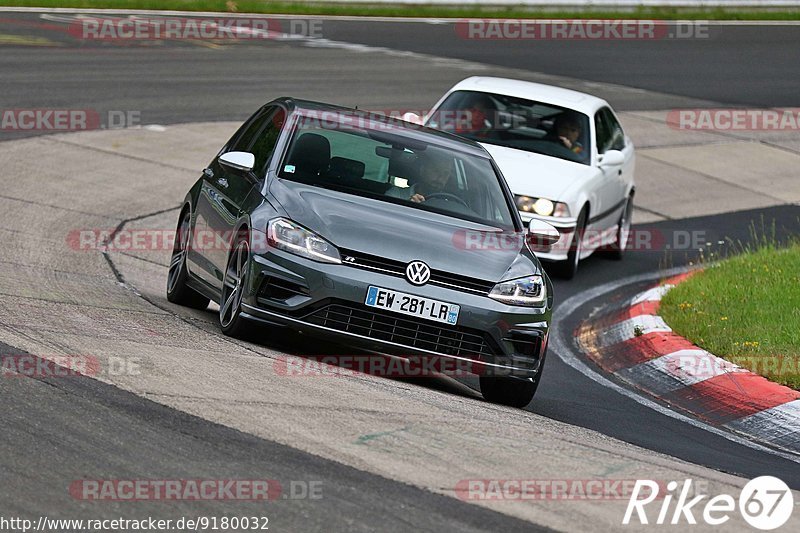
{"points": [[373, 159], [515, 123]]}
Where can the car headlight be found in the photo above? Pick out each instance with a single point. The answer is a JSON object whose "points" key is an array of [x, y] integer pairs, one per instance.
{"points": [[541, 206], [287, 235], [527, 292]]}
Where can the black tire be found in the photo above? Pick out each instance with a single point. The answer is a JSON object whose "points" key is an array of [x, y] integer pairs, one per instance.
{"points": [[567, 269], [233, 288], [616, 251], [177, 290], [513, 392]]}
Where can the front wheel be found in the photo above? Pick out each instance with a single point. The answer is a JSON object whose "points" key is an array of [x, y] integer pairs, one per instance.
{"points": [[513, 392], [567, 269], [617, 250], [233, 289]]}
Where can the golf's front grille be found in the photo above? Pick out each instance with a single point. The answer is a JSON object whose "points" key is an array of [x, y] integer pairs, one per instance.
{"points": [[398, 268], [407, 331]]}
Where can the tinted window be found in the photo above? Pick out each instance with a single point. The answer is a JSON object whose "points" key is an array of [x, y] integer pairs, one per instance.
{"points": [[264, 143], [248, 132], [516, 123], [387, 166], [260, 135]]}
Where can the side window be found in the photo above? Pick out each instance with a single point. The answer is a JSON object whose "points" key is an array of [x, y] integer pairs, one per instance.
{"points": [[260, 136], [244, 138], [266, 139], [602, 133], [617, 136]]}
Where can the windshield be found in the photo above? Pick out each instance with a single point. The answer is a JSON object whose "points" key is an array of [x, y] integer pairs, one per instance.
{"points": [[387, 164], [516, 123]]}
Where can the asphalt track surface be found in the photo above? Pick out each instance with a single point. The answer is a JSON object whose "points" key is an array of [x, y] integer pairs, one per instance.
{"points": [[736, 64], [53, 442]]}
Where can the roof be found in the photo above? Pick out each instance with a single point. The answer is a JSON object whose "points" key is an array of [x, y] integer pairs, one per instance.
{"points": [[585, 103], [395, 125]]}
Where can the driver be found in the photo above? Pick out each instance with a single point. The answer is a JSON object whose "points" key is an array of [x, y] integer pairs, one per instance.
{"points": [[478, 117], [433, 178], [567, 129]]}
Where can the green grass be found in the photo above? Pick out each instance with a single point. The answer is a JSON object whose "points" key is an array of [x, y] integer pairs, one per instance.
{"points": [[745, 309], [422, 10]]}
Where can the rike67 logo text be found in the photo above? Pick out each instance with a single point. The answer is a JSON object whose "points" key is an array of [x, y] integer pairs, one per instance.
{"points": [[765, 503]]}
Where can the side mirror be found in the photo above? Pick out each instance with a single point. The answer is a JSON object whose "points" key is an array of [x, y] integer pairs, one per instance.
{"points": [[412, 117], [542, 233], [238, 160], [612, 158]]}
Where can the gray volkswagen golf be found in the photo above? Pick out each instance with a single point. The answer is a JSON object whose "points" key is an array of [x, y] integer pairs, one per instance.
{"points": [[372, 232]]}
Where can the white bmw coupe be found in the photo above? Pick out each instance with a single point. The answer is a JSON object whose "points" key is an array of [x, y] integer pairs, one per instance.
{"points": [[564, 155]]}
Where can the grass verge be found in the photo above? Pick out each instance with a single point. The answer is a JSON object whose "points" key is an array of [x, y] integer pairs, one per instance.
{"points": [[745, 309], [423, 10]]}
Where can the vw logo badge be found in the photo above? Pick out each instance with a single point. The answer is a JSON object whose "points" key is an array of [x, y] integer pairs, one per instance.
{"points": [[418, 273]]}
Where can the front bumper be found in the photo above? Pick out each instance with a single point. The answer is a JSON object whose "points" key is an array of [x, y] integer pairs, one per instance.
{"points": [[328, 300], [565, 226]]}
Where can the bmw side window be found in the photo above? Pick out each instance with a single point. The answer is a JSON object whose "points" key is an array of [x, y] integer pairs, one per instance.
{"points": [[616, 135], [601, 132]]}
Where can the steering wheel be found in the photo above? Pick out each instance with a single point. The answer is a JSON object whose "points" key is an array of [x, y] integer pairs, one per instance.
{"points": [[446, 196]]}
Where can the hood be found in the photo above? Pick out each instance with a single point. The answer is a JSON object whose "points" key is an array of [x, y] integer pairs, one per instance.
{"points": [[537, 175], [402, 233]]}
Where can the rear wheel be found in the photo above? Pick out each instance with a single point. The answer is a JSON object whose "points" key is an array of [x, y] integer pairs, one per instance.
{"points": [[233, 289], [566, 269], [177, 290]]}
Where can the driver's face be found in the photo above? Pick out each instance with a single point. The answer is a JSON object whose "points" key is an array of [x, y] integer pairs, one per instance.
{"points": [[570, 131], [436, 175]]}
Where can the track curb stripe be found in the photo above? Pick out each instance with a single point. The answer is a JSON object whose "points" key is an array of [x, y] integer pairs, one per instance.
{"points": [[631, 341]]}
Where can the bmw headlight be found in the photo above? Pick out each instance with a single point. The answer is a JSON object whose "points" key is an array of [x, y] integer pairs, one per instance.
{"points": [[541, 206], [527, 292], [287, 235]]}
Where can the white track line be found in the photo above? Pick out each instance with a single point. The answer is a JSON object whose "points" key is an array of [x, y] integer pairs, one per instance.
{"points": [[561, 342]]}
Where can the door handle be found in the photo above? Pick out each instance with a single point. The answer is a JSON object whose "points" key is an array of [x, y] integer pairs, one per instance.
{"points": [[207, 172], [222, 182]]}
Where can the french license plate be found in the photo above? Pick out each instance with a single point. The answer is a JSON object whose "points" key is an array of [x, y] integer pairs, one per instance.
{"points": [[407, 304]]}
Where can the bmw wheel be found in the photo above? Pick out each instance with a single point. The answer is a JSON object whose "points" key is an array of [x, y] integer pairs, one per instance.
{"points": [[566, 269], [617, 250]]}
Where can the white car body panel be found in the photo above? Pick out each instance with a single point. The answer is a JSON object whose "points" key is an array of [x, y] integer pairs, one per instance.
{"points": [[604, 189]]}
